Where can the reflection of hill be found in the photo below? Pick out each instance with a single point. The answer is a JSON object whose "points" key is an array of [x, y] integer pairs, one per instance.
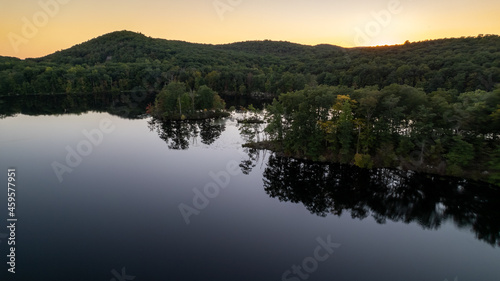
{"points": [[178, 133], [386, 194], [126, 105]]}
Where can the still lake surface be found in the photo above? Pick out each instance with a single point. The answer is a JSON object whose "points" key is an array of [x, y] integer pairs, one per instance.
{"points": [[184, 201]]}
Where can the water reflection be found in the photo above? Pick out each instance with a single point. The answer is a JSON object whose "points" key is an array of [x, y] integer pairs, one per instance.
{"points": [[130, 105], [251, 132], [177, 134], [386, 194]]}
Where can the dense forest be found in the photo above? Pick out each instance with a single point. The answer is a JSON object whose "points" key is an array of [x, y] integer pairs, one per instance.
{"points": [[398, 126], [125, 61], [430, 106]]}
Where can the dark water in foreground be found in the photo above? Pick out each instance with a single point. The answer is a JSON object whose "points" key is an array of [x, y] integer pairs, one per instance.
{"points": [[186, 202]]}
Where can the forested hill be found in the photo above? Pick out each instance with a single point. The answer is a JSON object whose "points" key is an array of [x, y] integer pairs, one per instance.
{"points": [[124, 60], [126, 47], [5, 60]]}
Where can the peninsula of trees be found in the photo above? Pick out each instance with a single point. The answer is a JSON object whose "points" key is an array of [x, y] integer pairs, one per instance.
{"points": [[396, 126]]}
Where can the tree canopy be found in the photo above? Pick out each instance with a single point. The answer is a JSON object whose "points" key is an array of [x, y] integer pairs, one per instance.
{"points": [[397, 126], [176, 101], [125, 61]]}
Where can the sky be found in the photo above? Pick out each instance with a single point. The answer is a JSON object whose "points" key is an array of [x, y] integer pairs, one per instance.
{"points": [[35, 28]]}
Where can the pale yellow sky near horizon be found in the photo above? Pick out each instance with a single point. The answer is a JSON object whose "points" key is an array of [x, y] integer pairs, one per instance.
{"points": [[34, 28]]}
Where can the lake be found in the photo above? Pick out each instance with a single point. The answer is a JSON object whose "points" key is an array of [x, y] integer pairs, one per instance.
{"points": [[103, 193]]}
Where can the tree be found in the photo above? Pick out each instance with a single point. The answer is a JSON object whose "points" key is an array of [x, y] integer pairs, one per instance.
{"points": [[205, 98], [460, 154], [274, 116], [345, 126], [169, 99]]}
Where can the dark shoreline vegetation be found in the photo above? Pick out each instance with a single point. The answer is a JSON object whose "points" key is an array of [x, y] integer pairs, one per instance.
{"points": [[431, 106], [397, 127], [175, 103]]}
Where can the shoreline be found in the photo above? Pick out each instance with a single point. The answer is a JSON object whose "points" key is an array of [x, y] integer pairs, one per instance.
{"points": [[195, 117], [404, 165]]}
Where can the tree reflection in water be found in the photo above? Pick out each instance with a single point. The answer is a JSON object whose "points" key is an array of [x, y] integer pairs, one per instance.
{"points": [[252, 132], [128, 105], [401, 196], [178, 133]]}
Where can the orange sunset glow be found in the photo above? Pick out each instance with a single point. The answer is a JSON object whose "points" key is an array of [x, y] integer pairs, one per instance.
{"points": [[38, 28]]}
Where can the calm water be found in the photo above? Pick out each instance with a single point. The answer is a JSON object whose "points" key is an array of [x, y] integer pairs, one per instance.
{"points": [[103, 197]]}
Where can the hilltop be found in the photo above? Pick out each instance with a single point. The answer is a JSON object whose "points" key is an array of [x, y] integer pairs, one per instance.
{"points": [[130, 47], [124, 60], [123, 47]]}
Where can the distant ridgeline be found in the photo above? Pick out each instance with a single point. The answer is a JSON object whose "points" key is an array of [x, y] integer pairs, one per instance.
{"points": [[124, 61]]}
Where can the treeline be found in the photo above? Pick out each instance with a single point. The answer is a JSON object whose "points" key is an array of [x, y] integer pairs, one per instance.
{"points": [[443, 132], [177, 102], [125, 61]]}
